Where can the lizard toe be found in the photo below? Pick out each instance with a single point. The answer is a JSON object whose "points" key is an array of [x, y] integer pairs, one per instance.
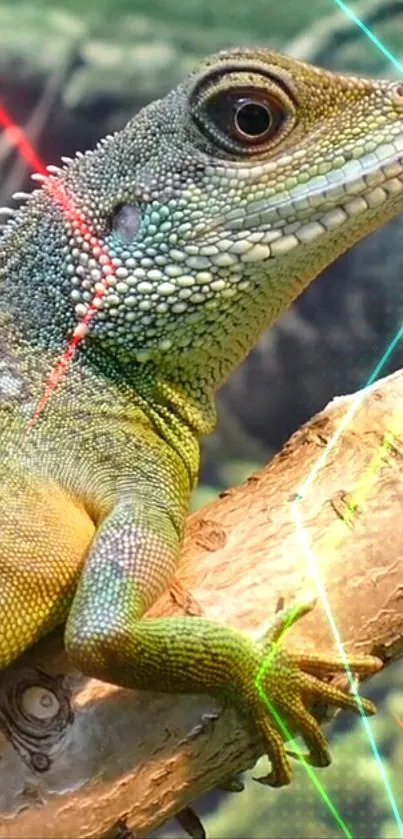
{"points": [[281, 773], [286, 686]]}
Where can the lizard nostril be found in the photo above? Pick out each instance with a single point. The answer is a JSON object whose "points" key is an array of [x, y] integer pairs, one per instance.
{"points": [[397, 93]]}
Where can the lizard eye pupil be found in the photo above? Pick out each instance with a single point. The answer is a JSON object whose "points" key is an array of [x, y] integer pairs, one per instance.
{"points": [[252, 119]]}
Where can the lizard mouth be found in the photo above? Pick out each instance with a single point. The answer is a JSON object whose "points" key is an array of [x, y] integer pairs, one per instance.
{"points": [[278, 223]]}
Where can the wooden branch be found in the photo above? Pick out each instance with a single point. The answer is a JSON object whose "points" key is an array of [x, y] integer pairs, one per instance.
{"points": [[78, 755]]}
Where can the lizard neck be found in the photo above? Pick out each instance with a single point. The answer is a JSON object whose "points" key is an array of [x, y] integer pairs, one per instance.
{"points": [[35, 284], [179, 415], [97, 386]]}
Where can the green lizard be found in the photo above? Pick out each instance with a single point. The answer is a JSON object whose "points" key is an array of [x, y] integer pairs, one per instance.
{"points": [[162, 255]]}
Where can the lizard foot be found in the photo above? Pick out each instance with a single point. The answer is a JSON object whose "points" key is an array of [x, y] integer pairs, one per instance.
{"points": [[285, 682]]}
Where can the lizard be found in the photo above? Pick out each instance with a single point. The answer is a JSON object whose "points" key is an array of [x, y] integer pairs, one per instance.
{"points": [[153, 263]]}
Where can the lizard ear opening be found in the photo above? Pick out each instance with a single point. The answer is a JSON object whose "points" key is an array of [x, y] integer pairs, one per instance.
{"points": [[125, 222]]}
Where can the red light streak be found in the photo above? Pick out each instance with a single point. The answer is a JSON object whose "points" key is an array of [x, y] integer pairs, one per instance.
{"points": [[58, 193], [398, 720], [19, 140]]}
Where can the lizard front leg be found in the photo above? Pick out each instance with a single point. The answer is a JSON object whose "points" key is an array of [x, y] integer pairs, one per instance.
{"points": [[131, 561]]}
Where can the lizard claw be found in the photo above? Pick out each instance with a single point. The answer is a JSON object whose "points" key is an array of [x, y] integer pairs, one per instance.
{"points": [[231, 784], [272, 779], [283, 684], [306, 757], [190, 823]]}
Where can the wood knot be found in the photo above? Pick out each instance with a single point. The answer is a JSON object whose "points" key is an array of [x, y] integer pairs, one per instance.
{"points": [[209, 536], [35, 713], [345, 506]]}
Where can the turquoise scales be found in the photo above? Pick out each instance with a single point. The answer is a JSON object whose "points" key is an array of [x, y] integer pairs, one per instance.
{"points": [[192, 229]]}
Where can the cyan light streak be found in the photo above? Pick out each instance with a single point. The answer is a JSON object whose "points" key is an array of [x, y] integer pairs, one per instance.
{"points": [[349, 415], [319, 585], [321, 460], [393, 60]]}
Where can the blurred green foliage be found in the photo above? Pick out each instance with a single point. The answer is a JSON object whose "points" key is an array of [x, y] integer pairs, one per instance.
{"points": [[218, 19]]}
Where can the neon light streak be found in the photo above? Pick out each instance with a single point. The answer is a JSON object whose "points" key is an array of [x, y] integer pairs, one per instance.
{"points": [[398, 720], [375, 465], [62, 364], [18, 139], [287, 734], [349, 415], [349, 12], [319, 585]]}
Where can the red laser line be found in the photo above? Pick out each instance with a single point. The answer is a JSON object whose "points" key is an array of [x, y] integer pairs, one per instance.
{"points": [[17, 137], [398, 720], [58, 193]]}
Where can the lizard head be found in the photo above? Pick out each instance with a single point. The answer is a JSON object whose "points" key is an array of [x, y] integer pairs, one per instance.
{"points": [[201, 220]]}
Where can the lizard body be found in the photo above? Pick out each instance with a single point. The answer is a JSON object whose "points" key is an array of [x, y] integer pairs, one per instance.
{"points": [[191, 229]]}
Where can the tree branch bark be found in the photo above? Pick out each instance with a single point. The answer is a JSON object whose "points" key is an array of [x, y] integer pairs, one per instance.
{"points": [[78, 755]]}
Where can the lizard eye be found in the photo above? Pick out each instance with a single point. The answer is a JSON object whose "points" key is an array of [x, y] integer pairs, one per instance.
{"points": [[242, 110], [245, 116]]}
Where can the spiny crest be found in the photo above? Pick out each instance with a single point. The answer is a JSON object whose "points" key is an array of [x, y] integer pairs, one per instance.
{"points": [[9, 215]]}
